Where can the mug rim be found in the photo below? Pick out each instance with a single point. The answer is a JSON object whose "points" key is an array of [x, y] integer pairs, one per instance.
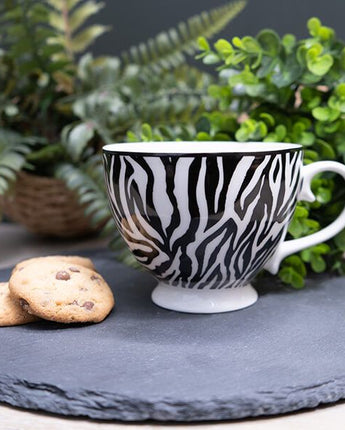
{"points": [[204, 148]]}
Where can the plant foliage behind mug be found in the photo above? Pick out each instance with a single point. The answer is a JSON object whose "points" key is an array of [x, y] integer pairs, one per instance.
{"points": [[279, 89], [290, 91]]}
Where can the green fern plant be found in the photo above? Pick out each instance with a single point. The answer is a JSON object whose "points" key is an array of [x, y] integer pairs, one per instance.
{"points": [[39, 41], [67, 17], [167, 50], [42, 38], [14, 149], [87, 182], [135, 97], [77, 103], [150, 83]]}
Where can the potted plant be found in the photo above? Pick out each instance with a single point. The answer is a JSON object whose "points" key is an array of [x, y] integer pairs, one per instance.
{"points": [[38, 68], [59, 107]]}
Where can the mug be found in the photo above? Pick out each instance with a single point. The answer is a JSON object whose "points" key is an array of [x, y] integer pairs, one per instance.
{"points": [[205, 217]]}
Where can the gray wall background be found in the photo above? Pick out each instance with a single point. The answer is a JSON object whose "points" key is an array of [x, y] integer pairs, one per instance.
{"points": [[134, 21]]}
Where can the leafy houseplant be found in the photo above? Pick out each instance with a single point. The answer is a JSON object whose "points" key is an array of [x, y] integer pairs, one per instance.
{"points": [[38, 68], [59, 109], [285, 90], [277, 89]]}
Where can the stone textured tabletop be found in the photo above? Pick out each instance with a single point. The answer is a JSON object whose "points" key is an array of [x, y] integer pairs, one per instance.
{"points": [[16, 244]]}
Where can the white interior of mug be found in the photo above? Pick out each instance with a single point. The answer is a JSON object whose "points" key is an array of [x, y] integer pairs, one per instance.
{"points": [[196, 147]]}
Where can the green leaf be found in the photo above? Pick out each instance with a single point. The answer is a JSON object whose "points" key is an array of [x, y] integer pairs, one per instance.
{"points": [[224, 48], [48, 154], [289, 42], [296, 228], [203, 44], [146, 133], [310, 156], [313, 256], [290, 276], [57, 20], [269, 41], [203, 136], [318, 264], [301, 212], [296, 262], [13, 150], [325, 113], [250, 45], [325, 150], [318, 64], [280, 131], [86, 10], [319, 31], [268, 64], [268, 119], [314, 25], [340, 240], [246, 77], [86, 37], [77, 139], [323, 195], [211, 58], [340, 91], [285, 73]]}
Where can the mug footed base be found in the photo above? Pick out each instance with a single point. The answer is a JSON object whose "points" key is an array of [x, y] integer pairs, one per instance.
{"points": [[203, 301]]}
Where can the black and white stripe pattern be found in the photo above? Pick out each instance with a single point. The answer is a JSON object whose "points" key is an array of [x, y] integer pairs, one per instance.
{"points": [[203, 221]]}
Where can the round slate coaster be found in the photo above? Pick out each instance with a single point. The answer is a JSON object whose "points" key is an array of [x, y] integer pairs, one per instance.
{"points": [[285, 353]]}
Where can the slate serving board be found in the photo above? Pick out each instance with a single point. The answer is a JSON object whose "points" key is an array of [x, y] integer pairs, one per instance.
{"points": [[285, 353]]}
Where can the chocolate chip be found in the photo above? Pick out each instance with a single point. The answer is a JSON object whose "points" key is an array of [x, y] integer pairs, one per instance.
{"points": [[62, 276], [24, 304], [96, 278], [74, 269], [75, 302], [88, 305]]}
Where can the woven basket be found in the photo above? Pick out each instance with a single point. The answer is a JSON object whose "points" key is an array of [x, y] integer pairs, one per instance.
{"points": [[47, 207]]}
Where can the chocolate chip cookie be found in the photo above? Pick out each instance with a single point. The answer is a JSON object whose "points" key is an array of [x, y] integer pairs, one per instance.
{"points": [[11, 313], [63, 292], [72, 259]]}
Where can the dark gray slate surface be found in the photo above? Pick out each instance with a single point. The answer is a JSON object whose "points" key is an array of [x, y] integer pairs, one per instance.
{"points": [[285, 353]]}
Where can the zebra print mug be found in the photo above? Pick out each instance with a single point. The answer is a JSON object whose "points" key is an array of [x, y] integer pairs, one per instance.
{"points": [[205, 217]]}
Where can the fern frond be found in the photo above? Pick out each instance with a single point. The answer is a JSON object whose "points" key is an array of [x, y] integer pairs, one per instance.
{"points": [[167, 49], [25, 33], [42, 38], [110, 112], [67, 19], [86, 180], [166, 108], [13, 151]]}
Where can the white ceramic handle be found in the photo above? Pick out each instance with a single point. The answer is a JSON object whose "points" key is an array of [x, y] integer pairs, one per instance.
{"points": [[291, 246]]}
